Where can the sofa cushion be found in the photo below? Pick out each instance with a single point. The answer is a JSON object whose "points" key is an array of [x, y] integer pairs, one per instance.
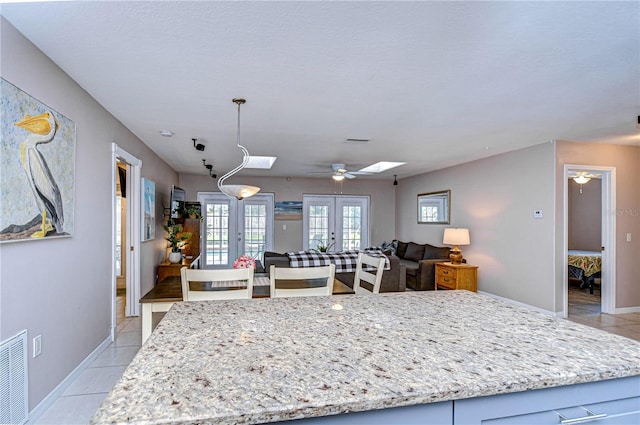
{"points": [[434, 252], [414, 252], [402, 248]]}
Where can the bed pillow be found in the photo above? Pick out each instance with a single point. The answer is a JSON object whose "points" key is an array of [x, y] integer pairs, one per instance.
{"points": [[414, 252]]}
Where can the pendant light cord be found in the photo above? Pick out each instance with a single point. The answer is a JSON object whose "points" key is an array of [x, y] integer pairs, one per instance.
{"points": [[245, 154]]}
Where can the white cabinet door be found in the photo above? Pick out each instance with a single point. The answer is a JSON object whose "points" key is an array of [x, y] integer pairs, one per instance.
{"points": [[615, 401]]}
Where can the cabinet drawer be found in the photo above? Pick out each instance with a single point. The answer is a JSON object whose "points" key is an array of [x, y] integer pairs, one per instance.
{"points": [[445, 271], [446, 281]]}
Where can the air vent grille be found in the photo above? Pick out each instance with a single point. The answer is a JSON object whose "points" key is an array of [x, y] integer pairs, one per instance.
{"points": [[13, 380]]}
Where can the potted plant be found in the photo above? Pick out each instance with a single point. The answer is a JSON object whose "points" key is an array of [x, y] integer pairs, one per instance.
{"points": [[321, 247], [193, 211], [177, 241]]}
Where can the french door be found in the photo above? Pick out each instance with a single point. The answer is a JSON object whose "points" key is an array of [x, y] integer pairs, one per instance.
{"points": [[231, 228], [340, 223]]}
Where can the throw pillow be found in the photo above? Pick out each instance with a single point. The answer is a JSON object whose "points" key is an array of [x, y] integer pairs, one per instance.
{"points": [[435, 252], [402, 249], [414, 252]]}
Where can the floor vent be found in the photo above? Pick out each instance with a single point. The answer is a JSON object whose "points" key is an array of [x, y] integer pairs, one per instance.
{"points": [[13, 380]]}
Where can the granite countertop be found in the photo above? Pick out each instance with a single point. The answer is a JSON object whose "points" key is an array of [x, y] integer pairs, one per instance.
{"points": [[262, 360]]}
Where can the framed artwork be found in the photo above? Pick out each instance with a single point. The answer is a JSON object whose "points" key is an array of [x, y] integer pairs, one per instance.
{"points": [[148, 210], [288, 210], [37, 168]]}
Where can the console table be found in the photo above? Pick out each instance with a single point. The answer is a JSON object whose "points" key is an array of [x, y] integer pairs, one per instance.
{"points": [[167, 269]]}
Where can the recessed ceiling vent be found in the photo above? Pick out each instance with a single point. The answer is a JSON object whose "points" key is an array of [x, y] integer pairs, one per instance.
{"points": [[357, 140]]}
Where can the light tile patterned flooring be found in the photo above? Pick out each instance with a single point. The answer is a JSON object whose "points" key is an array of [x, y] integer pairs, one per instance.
{"points": [[585, 308], [83, 397]]}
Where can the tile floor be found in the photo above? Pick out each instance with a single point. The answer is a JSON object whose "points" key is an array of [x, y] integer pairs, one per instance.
{"points": [[83, 397], [585, 308]]}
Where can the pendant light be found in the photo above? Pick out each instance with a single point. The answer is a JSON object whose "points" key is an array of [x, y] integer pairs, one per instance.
{"points": [[238, 191]]}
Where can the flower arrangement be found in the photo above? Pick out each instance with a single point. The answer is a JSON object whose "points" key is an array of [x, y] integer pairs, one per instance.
{"points": [[244, 262], [176, 237]]}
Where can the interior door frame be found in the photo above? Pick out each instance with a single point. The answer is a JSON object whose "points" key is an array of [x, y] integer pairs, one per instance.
{"points": [[133, 233], [608, 239]]}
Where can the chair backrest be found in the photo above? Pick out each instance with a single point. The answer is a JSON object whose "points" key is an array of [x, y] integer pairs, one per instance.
{"points": [[234, 278], [302, 289], [374, 279]]}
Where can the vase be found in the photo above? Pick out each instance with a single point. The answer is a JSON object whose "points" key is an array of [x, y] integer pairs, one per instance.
{"points": [[175, 257]]}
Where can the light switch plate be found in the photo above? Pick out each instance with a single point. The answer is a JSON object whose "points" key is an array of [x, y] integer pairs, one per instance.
{"points": [[537, 213]]}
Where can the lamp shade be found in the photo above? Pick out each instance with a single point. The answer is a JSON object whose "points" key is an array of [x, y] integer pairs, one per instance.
{"points": [[239, 191], [456, 236]]}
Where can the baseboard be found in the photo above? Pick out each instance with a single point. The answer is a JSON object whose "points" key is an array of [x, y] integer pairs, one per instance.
{"points": [[625, 310], [66, 382], [519, 304]]}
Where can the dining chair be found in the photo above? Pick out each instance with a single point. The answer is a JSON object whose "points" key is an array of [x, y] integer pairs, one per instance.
{"points": [[373, 279], [301, 281], [238, 284]]}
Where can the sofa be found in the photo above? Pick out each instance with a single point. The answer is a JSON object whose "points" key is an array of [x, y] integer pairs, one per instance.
{"points": [[420, 263], [393, 280]]}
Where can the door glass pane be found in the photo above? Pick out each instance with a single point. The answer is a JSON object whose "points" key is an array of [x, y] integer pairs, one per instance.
{"points": [[255, 230], [318, 226], [217, 234], [351, 227]]}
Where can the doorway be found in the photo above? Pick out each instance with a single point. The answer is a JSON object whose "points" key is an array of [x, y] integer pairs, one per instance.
{"points": [[335, 223], [126, 236], [232, 228], [589, 265], [121, 240]]}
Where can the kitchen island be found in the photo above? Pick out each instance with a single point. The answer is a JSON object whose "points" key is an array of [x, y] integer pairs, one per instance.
{"points": [[265, 360]]}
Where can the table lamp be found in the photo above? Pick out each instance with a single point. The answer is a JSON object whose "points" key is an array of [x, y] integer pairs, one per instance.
{"points": [[456, 236]]}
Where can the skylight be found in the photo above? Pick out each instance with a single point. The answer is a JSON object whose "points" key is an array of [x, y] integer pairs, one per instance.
{"points": [[261, 162], [381, 166]]}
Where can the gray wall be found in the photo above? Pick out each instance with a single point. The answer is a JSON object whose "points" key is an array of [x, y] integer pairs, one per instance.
{"points": [[382, 208], [585, 215], [626, 160], [61, 288], [495, 198]]}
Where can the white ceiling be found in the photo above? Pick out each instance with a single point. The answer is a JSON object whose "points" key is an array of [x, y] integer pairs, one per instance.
{"points": [[431, 83]]}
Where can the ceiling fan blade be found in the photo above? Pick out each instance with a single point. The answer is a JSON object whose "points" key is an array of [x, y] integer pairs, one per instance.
{"points": [[349, 175]]}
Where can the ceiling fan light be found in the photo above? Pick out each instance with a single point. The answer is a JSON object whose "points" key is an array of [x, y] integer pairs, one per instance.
{"points": [[581, 179], [337, 177]]}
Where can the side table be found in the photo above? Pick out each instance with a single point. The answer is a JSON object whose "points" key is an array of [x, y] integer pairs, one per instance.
{"points": [[456, 276]]}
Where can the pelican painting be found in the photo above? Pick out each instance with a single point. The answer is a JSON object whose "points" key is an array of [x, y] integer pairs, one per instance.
{"points": [[42, 129], [37, 163]]}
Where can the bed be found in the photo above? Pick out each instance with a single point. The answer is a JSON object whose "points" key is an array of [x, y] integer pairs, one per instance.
{"points": [[590, 262]]}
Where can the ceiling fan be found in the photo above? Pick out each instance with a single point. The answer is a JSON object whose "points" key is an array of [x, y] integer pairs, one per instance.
{"points": [[339, 172]]}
